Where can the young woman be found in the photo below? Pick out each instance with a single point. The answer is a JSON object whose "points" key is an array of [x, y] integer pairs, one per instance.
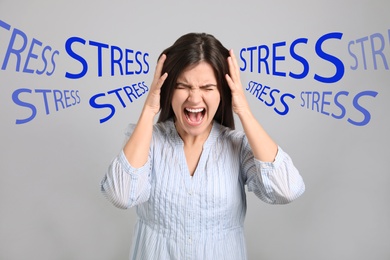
{"points": [[186, 174]]}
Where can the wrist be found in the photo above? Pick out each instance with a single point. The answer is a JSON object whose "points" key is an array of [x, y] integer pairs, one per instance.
{"points": [[244, 114], [147, 114]]}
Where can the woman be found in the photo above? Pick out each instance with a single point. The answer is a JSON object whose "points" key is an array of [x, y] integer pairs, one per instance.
{"points": [[186, 174]]}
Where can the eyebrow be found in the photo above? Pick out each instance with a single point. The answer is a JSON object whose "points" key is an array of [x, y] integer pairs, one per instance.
{"points": [[203, 86]]}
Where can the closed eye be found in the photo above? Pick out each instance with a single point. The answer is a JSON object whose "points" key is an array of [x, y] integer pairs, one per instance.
{"points": [[209, 88], [182, 86]]}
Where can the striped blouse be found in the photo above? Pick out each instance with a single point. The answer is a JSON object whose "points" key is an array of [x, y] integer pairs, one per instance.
{"points": [[197, 217]]}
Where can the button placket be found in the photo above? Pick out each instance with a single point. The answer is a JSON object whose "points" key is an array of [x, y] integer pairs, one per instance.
{"points": [[189, 223]]}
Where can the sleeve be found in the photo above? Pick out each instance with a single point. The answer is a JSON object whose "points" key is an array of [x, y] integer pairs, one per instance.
{"points": [[277, 182], [126, 186]]}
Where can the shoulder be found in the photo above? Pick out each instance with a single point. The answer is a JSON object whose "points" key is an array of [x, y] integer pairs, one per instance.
{"points": [[229, 142], [130, 129], [229, 135], [165, 133], [162, 128], [166, 128]]}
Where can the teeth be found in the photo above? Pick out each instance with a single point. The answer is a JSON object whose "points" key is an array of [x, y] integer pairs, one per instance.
{"points": [[197, 110]]}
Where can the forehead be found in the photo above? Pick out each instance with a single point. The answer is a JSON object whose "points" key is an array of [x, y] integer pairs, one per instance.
{"points": [[198, 73]]}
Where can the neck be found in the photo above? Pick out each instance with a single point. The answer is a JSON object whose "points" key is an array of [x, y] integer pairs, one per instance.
{"points": [[192, 140]]}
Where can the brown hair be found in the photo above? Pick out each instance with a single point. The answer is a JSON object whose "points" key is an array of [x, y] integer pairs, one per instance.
{"points": [[189, 50]]}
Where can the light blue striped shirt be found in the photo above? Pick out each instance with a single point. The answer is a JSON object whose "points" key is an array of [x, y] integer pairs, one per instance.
{"points": [[199, 217]]}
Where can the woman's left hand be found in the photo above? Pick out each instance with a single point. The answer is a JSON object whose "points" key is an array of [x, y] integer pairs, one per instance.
{"points": [[239, 102], [263, 147]]}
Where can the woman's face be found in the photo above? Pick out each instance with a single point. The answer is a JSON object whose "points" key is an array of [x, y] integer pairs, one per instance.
{"points": [[195, 100]]}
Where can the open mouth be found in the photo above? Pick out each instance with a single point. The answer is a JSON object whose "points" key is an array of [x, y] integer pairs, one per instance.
{"points": [[194, 115]]}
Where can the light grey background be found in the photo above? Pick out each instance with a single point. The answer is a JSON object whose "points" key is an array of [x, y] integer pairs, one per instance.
{"points": [[50, 168]]}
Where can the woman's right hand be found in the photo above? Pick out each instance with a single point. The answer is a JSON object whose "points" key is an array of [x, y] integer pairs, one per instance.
{"points": [[152, 103]]}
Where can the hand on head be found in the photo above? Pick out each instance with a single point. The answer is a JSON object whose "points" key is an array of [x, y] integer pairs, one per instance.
{"points": [[152, 102], [239, 102]]}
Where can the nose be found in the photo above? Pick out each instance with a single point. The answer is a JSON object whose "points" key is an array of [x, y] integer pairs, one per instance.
{"points": [[194, 95]]}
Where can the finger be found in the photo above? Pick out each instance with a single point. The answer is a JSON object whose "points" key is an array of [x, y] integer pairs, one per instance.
{"points": [[234, 59], [159, 66], [230, 82], [233, 67], [161, 80], [158, 79], [232, 71]]}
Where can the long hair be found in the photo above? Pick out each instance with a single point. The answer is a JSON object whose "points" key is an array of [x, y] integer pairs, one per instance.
{"points": [[189, 50]]}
